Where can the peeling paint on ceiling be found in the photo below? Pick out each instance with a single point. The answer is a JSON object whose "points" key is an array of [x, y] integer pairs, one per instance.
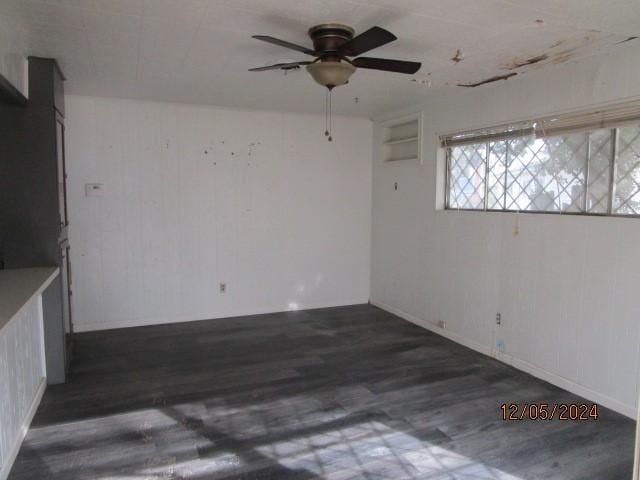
{"points": [[560, 51], [497, 78], [518, 63], [198, 51]]}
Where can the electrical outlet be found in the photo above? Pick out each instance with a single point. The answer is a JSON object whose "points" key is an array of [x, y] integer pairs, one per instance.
{"points": [[442, 324], [498, 318], [502, 348], [223, 287]]}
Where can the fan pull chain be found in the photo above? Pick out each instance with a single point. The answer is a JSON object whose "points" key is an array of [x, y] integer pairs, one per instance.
{"points": [[326, 113], [330, 114]]}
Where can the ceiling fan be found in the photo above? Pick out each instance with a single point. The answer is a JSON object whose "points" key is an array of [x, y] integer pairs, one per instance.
{"points": [[333, 44]]}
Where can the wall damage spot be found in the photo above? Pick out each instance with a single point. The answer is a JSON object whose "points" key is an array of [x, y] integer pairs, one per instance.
{"points": [[488, 80], [457, 58]]}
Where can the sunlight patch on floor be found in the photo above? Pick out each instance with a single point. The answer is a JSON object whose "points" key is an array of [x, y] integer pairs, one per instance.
{"points": [[373, 447], [198, 467]]}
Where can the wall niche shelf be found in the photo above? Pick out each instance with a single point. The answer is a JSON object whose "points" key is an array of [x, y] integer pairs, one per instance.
{"points": [[403, 159], [401, 139]]}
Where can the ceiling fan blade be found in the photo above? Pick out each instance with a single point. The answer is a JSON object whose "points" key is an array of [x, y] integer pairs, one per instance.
{"points": [[282, 43], [373, 38], [275, 66], [399, 66]]}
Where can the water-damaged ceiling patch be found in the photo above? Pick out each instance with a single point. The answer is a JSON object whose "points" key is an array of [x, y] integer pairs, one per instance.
{"points": [[198, 51], [497, 78], [566, 49], [571, 48]]}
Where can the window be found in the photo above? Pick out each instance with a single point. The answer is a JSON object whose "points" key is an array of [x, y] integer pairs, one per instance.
{"points": [[626, 196], [531, 171]]}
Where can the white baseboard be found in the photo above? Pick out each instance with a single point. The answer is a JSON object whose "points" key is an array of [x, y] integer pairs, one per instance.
{"points": [[13, 453], [562, 382], [149, 321], [478, 347], [557, 380]]}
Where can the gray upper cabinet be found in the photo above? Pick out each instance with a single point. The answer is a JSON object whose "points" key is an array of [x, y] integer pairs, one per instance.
{"points": [[33, 220]]}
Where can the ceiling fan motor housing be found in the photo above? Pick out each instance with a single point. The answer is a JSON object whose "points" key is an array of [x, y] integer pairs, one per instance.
{"points": [[328, 37]]}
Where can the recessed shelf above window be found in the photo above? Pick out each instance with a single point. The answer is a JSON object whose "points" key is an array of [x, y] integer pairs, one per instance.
{"points": [[401, 139], [401, 159]]}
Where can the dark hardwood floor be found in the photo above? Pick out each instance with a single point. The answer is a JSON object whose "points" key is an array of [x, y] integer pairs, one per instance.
{"points": [[342, 393]]}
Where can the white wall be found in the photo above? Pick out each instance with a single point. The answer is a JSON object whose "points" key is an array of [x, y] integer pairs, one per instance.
{"points": [[14, 43], [197, 196], [567, 286]]}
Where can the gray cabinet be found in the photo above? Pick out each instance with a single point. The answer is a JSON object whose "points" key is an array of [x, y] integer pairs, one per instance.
{"points": [[33, 215]]}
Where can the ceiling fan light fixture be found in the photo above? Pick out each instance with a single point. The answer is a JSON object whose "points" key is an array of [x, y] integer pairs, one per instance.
{"points": [[330, 73], [333, 44]]}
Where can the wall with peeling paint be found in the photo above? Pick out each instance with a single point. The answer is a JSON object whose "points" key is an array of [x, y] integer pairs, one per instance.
{"points": [[193, 197], [566, 286]]}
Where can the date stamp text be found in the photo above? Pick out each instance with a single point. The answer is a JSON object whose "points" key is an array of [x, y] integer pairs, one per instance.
{"points": [[546, 411]]}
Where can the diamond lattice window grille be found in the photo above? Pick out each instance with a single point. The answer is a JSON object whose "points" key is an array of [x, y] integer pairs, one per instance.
{"points": [[627, 182], [569, 173], [467, 176], [496, 175], [546, 174], [526, 177], [599, 171]]}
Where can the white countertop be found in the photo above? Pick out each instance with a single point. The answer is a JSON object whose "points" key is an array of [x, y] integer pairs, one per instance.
{"points": [[18, 286]]}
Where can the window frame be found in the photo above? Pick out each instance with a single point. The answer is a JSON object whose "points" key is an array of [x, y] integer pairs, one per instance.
{"points": [[611, 193]]}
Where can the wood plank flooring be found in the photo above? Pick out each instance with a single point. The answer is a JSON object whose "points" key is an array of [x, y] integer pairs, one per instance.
{"points": [[341, 393]]}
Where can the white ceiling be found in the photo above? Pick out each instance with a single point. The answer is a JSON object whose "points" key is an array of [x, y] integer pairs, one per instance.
{"points": [[198, 51]]}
